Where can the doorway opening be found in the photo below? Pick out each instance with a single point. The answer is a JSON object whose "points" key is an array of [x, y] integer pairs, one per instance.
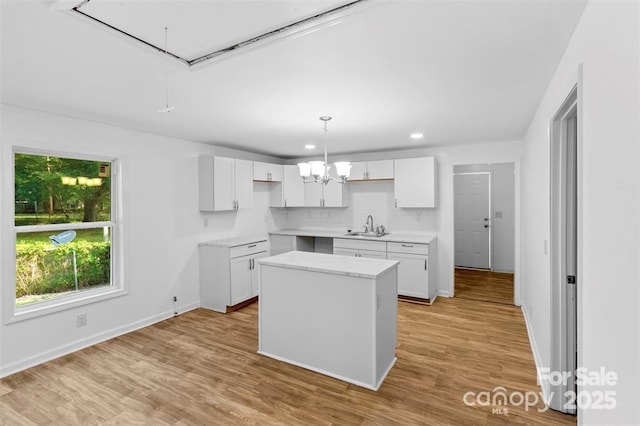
{"points": [[484, 227], [564, 252]]}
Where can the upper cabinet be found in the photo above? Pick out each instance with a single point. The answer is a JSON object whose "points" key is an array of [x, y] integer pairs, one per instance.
{"points": [[290, 192], [371, 170], [267, 172], [225, 183], [415, 182], [333, 194]]}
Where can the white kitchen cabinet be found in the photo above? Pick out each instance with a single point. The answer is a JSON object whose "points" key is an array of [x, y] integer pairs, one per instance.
{"points": [[416, 272], [358, 171], [371, 170], [290, 191], [267, 172], [360, 248], [228, 274], [224, 183], [415, 184], [333, 194]]}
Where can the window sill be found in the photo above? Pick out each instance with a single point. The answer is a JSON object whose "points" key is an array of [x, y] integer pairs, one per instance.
{"points": [[63, 303]]}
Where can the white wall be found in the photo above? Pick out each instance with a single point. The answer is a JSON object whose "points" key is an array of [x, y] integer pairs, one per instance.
{"points": [[606, 43], [162, 229]]}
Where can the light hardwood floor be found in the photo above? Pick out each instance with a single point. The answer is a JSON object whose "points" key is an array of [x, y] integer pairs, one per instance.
{"points": [[488, 286], [202, 368]]}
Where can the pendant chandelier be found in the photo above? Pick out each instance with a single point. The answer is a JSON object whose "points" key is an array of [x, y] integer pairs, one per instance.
{"points": [[318, 171]]}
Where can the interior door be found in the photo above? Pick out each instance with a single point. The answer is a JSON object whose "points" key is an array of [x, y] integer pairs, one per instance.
{"points": [[472, 219]]}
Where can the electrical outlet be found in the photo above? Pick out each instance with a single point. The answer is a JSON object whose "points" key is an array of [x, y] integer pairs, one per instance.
{"points": [[81, 320]]}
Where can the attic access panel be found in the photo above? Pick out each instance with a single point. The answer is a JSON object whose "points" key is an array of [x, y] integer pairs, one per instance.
{"points": [[200, 31]]}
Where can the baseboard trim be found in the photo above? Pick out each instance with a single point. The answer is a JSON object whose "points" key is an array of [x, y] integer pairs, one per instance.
{"points": [[80, 344], [543, 381], [442, 293], [334, 375]]}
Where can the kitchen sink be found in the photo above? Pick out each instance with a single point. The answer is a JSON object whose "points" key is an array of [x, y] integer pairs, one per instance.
{"points": [[364, 234]]}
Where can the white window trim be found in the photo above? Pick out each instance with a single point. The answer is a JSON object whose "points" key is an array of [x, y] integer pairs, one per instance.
{"points": [[11, 313]]}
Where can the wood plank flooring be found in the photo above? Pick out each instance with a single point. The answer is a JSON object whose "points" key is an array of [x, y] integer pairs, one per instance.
{"points": [[202, 368], [488, 286]]}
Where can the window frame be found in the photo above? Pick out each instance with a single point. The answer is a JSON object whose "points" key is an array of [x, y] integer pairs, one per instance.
{"points": [[117, 287]]}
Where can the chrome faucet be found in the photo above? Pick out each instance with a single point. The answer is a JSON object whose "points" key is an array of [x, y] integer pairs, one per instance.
{"points": [[369, 228]]}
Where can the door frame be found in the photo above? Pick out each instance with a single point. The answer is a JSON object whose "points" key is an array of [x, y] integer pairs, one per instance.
{"points": [[517, 179], [560, 320], [490, 214]]}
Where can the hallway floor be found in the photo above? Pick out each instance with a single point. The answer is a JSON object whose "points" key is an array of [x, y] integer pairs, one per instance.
{"points": [[486, 286]]}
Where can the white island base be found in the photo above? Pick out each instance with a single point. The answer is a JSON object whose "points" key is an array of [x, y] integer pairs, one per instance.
{"points": [[335, 315]]}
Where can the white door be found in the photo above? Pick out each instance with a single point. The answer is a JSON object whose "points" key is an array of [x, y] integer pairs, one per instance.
{"points": [[565, 278], [413, 278], [292, 187], [244, 183], [472, 219], [223, 195], [240, 279]]}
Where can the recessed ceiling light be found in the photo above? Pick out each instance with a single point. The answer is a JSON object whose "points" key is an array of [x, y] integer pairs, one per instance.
{"points": [[417, 135], [309, 146]]}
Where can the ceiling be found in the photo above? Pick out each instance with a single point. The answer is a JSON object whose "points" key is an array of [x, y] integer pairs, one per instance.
{"points": [[458, 71]]}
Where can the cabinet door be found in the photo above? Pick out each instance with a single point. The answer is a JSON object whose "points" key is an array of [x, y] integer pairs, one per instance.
{"points": [[275, 173], [312, 194], [373, 254], [293, 187], [382, 169], [334, 193], [223, 196], [415, 182], [345, 252], [413, 279], [244, 183], [240, 279], [260, 171], [358, 171], [255, 273]]}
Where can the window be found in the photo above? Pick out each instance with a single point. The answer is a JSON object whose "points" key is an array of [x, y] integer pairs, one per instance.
{"points": [[65, 230]]}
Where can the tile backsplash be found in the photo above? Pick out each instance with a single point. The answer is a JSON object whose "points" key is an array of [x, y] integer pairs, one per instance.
{"points": [[365, 198]]}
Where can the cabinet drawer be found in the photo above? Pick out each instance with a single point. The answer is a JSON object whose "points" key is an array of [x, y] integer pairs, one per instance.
{"points": [[359, 244], [246, 249], [413, 248]]}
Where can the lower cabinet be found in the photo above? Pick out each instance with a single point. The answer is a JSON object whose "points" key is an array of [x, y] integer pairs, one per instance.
{"points": [[244, 277], [416, 270], [229, 274], [360, 248]]}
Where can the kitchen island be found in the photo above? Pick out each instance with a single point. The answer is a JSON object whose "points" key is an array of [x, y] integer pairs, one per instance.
{"points": [[335, 315]]}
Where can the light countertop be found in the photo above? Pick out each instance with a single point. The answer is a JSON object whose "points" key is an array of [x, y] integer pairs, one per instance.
{"points": [[234, 241], [328, 233], [351, 266]]}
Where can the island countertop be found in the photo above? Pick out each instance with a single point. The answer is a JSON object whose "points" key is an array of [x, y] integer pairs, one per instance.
{"points": [[395, 237], [360, 267]]}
